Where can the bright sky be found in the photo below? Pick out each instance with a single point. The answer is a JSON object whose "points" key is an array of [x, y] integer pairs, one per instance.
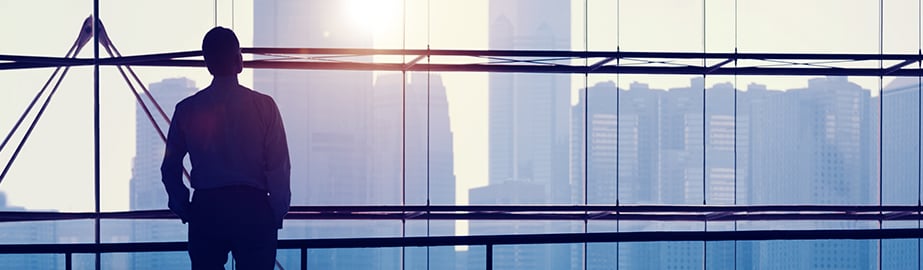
{"points": [[54, 171]]}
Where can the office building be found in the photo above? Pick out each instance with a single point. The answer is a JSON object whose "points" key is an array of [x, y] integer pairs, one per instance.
{"points": [[146, 188]]}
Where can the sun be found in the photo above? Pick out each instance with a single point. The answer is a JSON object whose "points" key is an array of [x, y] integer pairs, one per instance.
{"points": [[373, 15]]}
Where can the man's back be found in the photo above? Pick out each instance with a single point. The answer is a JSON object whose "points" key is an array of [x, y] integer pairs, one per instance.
{"points": [[226, 129], [240, 165]]}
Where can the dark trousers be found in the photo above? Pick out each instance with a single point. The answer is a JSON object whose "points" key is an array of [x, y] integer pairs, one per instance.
{"points": [[232, 219]]}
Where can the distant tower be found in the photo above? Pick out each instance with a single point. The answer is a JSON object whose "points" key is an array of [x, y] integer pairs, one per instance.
{"points": [[593, 147], [681, 149], [147, 191], [26, 233], [639, 132], [593, 153], [325, 112], [528, 131], [401, 121], [900, 164], [810, 146], [528, 123], [326, 116]]}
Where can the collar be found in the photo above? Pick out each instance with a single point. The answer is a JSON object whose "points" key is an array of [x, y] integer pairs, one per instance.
{"points": [[224, 81]]}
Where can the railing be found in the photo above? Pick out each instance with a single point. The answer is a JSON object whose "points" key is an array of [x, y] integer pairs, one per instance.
{"points": [[489, 241], [584, 213]]}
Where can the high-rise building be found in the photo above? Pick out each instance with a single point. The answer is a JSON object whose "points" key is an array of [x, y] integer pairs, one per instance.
{"points": [[681, 145], [813, 138], [900, 142], [42, 232], [528, 128], [327, 121], [528, 123], [657, 158], [900, 162], [515, 256], [593, 144], [810, 146], [146, 188], [325, 112], [412, 119], [638, 148], [594, 140]]}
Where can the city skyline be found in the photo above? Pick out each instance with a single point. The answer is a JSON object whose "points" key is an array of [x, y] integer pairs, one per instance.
{"points": [[361, 137], [604, 92], [126, 22]]}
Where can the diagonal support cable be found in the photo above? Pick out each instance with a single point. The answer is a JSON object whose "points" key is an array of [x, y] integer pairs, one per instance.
{"points": [[86, 33], [114, 52], [84, 36], [34, 100]]}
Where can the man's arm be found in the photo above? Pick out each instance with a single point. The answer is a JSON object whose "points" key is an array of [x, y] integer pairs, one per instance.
{"points": [[278, 166], [171, 170]]}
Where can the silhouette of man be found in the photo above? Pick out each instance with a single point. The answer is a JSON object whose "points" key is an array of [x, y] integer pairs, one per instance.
{"points": [[240, 165]]}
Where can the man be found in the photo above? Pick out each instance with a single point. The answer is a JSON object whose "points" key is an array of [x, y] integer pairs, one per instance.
{"points": [[240, 165]]}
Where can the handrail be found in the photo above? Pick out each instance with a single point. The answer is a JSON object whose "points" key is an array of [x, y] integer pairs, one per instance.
{"points": [[483, 240], [480, 240]]}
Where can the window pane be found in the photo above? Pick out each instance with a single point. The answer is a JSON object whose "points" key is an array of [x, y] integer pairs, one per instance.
{"points": [[678, 28], [820, 26]]}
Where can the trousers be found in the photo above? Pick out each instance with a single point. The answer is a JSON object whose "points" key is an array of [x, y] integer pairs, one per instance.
{"points": [[235, 219]]}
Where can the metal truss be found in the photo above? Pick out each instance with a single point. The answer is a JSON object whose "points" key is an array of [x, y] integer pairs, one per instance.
{"points": [[523, 61]]}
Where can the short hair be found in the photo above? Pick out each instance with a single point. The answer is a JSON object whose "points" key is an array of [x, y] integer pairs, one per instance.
{"points": [[221, 50]]}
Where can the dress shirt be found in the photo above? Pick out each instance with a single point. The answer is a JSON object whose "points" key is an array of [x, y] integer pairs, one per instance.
{"points": [[234, 137]]}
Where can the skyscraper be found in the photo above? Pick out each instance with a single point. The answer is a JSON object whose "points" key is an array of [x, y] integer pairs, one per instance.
{"points": [[656, 158], [638, 149], [325, 112], [681, 148], [810, 146], [326, 116], [593, 142], [528, 123], [528, 130], [900, 163], [42, 232], [594, 158], [146, 188], [413, 120]]}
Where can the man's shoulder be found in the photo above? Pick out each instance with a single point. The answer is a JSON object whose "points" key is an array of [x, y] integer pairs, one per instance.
{"points": [[254, 92], [264, 98], [194, 98]]}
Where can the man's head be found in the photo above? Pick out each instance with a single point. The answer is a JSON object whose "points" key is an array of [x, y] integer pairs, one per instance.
{"points": [[222, 52]]}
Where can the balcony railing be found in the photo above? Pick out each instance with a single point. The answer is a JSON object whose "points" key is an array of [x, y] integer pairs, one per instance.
{"points": [[584, 213]]}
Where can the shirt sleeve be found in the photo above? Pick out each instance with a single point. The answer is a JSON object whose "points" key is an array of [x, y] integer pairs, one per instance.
{"points": [[278, 166], [171, 169]]}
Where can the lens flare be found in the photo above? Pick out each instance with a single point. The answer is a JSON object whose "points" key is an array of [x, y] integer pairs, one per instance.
{"points": [[372, 15]]}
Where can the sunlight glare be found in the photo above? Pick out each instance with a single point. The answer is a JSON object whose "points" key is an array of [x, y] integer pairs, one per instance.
{"points": [[373, 15]]}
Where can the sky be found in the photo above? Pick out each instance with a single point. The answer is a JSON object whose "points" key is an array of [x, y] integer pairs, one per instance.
{"points": [[55, 169]]}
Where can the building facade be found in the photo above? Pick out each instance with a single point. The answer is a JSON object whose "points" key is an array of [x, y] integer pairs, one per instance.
{"points": [[146, 188]]}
